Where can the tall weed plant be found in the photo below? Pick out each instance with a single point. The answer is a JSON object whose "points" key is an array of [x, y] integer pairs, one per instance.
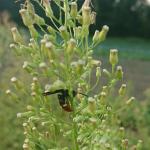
{"points": [[63, 111]]}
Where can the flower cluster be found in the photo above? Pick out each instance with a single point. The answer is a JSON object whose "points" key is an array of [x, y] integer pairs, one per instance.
{"points": [[60, 56]]}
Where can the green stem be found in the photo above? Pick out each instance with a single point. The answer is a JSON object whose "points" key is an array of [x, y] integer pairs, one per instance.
{"points": [[75, 133], [66, 12], [95, 85], [113, 69]]}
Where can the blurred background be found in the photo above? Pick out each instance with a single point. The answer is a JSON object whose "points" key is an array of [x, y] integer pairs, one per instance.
{"points": [[129, 22]]}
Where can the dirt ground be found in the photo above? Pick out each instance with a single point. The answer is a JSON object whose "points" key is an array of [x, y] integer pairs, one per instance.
{"points": [[136, 74]]}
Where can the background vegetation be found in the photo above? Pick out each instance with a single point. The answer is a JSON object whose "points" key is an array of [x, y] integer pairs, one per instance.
{"points": [[127, 19]]}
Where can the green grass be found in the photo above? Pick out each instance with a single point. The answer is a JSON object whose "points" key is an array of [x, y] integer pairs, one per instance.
{"points": [[129, 48]]}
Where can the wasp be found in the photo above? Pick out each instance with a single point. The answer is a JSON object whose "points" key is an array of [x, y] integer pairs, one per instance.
{"points": [[63, 96]]}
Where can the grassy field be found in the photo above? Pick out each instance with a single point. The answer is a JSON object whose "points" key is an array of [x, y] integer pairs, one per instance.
{"points": [[129, 48]]}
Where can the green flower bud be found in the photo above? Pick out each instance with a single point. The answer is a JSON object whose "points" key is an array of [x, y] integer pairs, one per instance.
{"points": [[64, 33], [98, 72], [34, 44], [86, 3], [12, 46], [27, 66], [79, 90], [16, 36], [35, 79], [26, 141], [95, 62], [122, 89], [74, 10], [34, 129], [30, 108], [27, 20], [51, 38], [102, 97], [8, 92], [103, 33], [43, 65], [33, 32], [50, 50], [17, 48], [11, 94], [128, 102], [25, 146], [91, 104], [45, 123], [43, 43], [85, 31], [30, 9], [113, 57], [80, 65], [25, 114], [121, 132], [48, 9], [96, 37], [39, 20], [105, 89], [119, 73], [125, 143], [71, 45], [13, 80], [51, 30], [90, 53], [33, 94], [107, 73], [86, 14], [16, 83], [25, 133], [33, 87], [139, 144], [93, 17], [77, 32], [80, 19]]}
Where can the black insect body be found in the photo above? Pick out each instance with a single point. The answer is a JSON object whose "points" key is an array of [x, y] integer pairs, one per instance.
{"points": [[63, 97]]}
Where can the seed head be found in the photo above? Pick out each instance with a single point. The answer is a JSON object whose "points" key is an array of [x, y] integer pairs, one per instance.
{"points": [[71, 45], [86, 14], [128, 102], [16, 36], [13, 79], [96, 36], [8, 92], [93, 17], [119, 73], [91, 104], [64, 33], [106, 72], [103, 33], [25, 146], [98, 71], [27, 19], [113, 57], [122, 89], [74, 10]]}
